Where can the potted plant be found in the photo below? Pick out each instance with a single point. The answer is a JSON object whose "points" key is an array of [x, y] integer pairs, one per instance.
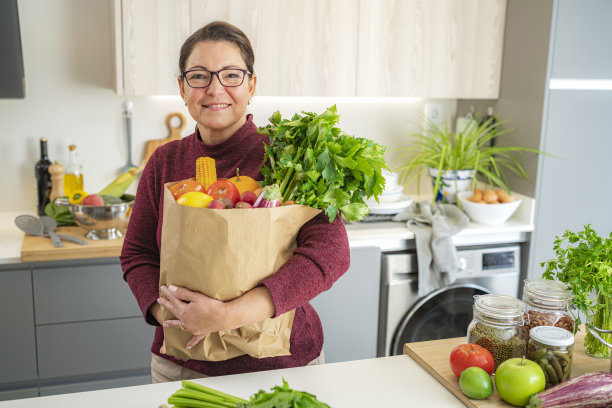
{"points": [[451, 158], [585, 264]]}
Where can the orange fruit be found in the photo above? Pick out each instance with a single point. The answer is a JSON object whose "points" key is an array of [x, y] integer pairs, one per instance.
{"points": [[185, 186], [244, 183], [195, 199]]}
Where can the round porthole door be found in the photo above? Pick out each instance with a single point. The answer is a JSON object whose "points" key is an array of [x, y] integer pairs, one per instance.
{"points": [[442, 314]]}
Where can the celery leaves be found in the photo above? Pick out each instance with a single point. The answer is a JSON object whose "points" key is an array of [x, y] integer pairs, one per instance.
{"points": [[318, 165]]}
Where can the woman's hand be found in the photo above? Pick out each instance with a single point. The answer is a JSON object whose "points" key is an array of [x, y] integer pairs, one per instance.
{"points": [[194, 312]]}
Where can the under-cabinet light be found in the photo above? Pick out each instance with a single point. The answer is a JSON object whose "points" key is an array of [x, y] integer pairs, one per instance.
{"points": [[581, 84]]}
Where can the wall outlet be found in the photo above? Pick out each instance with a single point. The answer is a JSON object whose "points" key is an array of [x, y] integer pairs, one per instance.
{"points": [[435, 113]]}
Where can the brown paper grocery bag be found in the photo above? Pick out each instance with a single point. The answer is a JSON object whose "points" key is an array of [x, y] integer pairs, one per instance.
{"points": [[223, 254]]}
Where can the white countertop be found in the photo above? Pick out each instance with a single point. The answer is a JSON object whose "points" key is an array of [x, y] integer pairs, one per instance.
{"points": [[388, 236], [379, 382]]}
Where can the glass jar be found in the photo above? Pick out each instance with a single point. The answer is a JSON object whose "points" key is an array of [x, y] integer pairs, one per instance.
{"points": [[547, 303], [552, 348], [499, 326]]}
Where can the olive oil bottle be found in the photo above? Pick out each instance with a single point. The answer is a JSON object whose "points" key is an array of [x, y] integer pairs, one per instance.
{"points": [[73, 178]]}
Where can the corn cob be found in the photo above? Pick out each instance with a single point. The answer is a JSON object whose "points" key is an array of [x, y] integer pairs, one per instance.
{"points": [[206, 172]]}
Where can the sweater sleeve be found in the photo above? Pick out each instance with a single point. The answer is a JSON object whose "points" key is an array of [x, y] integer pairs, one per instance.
{"points": [[322, 256], [140, 252]]}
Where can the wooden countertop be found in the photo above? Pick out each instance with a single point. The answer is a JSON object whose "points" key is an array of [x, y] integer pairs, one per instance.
{"points": [[35, 249], [433, 357]]}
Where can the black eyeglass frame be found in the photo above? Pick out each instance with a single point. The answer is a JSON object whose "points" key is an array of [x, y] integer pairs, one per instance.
{"points": [[213, 73]]}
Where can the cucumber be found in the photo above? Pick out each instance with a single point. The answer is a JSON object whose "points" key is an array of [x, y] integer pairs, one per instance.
{"points": [[109, 199]]}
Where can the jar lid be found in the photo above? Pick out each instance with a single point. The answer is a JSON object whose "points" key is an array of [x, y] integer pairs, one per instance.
{"points": [[502, 306], [552, 336], [547, 289]]}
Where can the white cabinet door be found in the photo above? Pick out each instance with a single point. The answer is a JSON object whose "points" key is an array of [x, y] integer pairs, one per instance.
{"points": [[149, 34], [302, 48], [430, 48]]}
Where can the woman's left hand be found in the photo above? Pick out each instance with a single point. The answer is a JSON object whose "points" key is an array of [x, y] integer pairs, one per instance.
{"points": [[194, 312]]}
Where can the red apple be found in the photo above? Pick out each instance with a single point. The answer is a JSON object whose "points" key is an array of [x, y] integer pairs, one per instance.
{"points": [[248, 197], [516, 379], [93, 199], [243, 204], [217, 205]]}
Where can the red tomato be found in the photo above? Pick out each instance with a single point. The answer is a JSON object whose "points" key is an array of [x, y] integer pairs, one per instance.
{"points": [[185, 186], [470, 355], [224, 189]]}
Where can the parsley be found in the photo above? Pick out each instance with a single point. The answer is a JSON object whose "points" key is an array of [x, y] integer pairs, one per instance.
{"points": [[318, 165], [585, 264]]}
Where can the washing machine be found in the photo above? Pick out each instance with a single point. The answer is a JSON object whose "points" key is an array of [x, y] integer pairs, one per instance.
{"points": [[404, 317]]}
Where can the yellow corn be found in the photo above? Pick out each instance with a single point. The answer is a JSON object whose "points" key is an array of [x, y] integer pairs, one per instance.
{"points": [[206, 172]]}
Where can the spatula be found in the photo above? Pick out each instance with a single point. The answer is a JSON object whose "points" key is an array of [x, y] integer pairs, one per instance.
{"points": [[34, 226]]}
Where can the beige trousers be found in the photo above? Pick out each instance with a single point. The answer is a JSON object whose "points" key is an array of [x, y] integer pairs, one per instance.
{"points": [[163, 370]]}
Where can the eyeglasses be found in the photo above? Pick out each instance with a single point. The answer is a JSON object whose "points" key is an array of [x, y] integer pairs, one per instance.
{"points": [[201, 78]]}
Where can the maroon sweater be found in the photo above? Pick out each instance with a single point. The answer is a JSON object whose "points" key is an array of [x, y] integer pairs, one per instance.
{"points": [[321, 256]]}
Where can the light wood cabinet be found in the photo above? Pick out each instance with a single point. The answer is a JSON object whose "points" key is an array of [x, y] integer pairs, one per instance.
{"points": [[425, 48]]}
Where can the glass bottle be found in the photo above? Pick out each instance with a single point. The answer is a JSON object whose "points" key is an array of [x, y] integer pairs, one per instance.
{"points": [[73, 178], [43, 178], [547, 303], [499, 326], [553, 349]]}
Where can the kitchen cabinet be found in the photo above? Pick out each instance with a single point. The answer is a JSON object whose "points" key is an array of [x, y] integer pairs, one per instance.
{"points": [[74, 326], [349, 310], [18, 343], [436, 49]]}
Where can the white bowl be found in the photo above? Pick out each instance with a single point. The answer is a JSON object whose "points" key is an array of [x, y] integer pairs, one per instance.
{"points": [[490, 214]]}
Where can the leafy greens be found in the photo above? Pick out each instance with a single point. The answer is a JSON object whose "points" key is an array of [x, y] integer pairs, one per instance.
{"points": [[318, 165]]}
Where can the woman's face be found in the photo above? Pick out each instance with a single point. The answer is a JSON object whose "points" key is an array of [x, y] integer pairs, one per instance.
{"points": [[218, 110]]}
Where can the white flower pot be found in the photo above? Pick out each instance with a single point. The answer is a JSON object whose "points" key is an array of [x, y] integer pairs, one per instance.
{"points": [[451, 183]]}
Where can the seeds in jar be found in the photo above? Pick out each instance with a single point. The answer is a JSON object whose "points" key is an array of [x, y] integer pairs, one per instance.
{"points": [[502, 344], [537, 318]]}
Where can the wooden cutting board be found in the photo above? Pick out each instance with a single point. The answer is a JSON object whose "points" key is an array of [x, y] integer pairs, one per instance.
{"points": [[36, 249], [174, 134], [433, 357]]}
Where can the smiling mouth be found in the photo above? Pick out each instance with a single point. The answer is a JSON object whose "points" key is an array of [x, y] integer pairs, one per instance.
{"points": [[217, 106]]}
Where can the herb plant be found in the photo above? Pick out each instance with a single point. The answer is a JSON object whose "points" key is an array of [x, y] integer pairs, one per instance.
{"points": [[318, 165], [585, 264], [471, 149]]}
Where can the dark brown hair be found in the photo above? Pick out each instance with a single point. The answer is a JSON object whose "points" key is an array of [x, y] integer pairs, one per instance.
{"points": [[219, 31]]}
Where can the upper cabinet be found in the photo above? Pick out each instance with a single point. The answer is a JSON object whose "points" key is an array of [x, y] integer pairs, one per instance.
{"points": [[426, 48]]}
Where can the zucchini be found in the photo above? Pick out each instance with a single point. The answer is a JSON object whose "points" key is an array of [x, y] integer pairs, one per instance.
{"points": [[591, 390]]}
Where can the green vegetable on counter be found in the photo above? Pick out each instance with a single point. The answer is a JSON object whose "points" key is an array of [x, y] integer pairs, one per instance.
{"points": [[318, 165], [60, 213], [194, 395]]}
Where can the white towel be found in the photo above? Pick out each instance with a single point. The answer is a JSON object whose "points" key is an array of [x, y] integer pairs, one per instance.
{"points": [[436, 253]]}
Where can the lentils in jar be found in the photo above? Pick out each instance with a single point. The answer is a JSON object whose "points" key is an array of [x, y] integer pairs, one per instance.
{"points": [[498, 326]]}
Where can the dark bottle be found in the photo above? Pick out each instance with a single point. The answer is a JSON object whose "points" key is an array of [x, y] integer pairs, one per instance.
{"points": [[43, 178]]}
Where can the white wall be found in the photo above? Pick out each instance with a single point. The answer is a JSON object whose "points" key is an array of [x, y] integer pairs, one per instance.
{"points": [[68, 70]]}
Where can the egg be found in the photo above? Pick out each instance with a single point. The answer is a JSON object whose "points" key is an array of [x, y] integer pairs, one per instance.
{"points": [[477, 196], [489, 196]]}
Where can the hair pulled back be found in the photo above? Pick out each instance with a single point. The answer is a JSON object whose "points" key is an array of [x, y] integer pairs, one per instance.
{"points": [[219, 31]]}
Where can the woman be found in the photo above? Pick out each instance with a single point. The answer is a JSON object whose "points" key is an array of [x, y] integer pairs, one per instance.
{"points": [[217, 82]]}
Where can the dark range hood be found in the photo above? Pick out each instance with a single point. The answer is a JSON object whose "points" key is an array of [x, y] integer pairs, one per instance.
{"points": [[12, 81]]}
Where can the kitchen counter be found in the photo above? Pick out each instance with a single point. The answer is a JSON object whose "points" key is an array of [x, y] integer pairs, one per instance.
{"points": [[389, 236], [378, 382]]}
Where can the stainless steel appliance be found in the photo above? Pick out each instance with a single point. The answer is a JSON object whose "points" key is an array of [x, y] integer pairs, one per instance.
{"points": [[405, 317]]}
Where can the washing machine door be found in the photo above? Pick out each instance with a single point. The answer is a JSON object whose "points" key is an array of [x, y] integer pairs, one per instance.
{"points": [[442, 314]]}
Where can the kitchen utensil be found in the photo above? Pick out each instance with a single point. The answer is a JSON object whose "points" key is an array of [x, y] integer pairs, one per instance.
{"points": [[175, 134], [34, 226], [127, 114], [49, 225], [594, 332]]}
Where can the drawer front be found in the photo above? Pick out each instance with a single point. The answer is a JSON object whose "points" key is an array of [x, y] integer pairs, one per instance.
{"points": [[81, 293], [17, 341], [104, 346]]}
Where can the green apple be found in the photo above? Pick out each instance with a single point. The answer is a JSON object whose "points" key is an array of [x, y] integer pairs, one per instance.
{"points": [[516, 379]]}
